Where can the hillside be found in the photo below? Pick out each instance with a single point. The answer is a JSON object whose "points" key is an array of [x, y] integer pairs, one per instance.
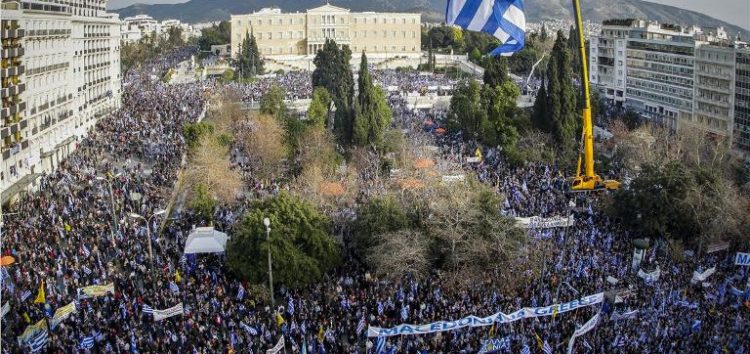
{"points": [[195, 11]]}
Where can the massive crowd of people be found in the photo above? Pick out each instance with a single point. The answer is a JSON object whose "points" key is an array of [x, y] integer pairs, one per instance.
{"points": [[64, 238]]}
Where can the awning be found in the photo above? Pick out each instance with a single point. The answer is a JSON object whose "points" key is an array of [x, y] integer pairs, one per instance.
{"points": [[206, 240], [20, 186]]}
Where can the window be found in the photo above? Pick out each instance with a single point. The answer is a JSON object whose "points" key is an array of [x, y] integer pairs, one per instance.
{"points": [[270, 35], [281, 35], [291, 35]]}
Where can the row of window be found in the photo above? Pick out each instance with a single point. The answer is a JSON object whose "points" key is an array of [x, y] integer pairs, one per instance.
{"points": [[328, 20], [331, 33]]}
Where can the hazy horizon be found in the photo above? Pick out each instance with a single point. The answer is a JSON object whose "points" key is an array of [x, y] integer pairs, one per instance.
{"points": [[736, 12]]}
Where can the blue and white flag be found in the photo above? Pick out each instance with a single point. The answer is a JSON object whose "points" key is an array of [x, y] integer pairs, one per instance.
{"points": [[39, 341], [87, 342], [147, 309], [546, 348], [380, 346], [380, 308], [290, 306], [404, 313], [241, 293], [504, 19], [696, 327], [525, 349]]}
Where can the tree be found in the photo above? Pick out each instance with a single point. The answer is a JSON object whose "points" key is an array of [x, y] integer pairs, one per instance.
{"points": [[377, 217], [202, 204], [500, 103], [272, 102], [372, 114], [300, 243], [540, 118], [401, 253], [333, 72], [496, 71], [248, 57], [193, 132], [561, 96], [465, 112], [265, 146], [217, 34], [320, 105], [475, 55], [228, 75]]}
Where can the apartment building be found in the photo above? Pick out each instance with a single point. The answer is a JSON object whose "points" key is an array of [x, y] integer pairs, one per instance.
{"points": [[607, 59], [741, 129], [71, 71], [279, 33], [713, 94]]}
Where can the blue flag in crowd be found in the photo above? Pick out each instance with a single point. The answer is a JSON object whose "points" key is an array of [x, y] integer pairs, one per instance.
{"points": [[361, 325], [696, 326], [290, 307], [504, 19], [380, 308], [525, 349], [87, 342], [241, 293], [404, 313], [39, 341], [380, 346], [546, 348]]}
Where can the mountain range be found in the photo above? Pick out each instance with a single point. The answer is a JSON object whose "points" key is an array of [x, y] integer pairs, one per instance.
{"points": [[195, 11]]}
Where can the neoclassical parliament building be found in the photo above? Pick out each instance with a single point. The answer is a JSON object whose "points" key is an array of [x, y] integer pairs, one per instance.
{"points": [[303, 33]]}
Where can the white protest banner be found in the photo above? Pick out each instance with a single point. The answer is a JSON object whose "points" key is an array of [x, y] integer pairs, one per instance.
{"points": [[277, 348], [474, 321], [62, 313], [95, 291], [589, 325], [474, 159], [172, 311], [650, 276], [700, 277], [742, 259], [454, 178], [536, 222]]}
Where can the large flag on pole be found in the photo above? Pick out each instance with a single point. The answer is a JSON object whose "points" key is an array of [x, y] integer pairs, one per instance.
{"points": [[504, 19]]}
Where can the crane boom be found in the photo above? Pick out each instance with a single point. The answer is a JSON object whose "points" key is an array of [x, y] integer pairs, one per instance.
{"points": [[587, 179]]}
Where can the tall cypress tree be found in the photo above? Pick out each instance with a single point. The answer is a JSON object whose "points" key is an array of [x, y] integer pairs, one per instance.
{"points": [[333, 72], [250, 63], [372, 114], [562, 97]]}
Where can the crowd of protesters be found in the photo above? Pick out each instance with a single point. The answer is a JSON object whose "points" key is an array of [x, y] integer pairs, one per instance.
{"points": [[67, 236]]}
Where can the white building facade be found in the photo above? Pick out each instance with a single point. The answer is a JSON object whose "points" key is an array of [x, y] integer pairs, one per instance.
{"points": [[72, 78]]}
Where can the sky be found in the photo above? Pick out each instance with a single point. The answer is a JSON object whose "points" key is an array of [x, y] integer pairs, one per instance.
{"points": [[736, 12]]}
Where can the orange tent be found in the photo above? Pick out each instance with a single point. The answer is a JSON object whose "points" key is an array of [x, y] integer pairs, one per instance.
{"points": [[7, 260]]}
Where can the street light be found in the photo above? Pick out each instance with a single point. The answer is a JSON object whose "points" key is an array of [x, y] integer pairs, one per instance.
{"points": [[148, 229], [115, 225], [267, 222]]}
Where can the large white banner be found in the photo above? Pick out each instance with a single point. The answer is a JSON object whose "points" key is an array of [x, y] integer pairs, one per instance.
{"points": [[172, 311], [538, 222], [95, 291], [62, 313], [650, 276], [700, 277], [474, 321], [589, 325], [277, 348]]}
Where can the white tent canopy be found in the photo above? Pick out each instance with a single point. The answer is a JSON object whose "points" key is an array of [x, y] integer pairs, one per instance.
{"points": [[206, 240]]}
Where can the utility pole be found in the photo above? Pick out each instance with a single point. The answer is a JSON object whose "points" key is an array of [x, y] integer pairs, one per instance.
{"points": [[267, 222]]}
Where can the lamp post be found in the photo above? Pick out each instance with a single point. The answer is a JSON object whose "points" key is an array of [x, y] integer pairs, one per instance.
{"points": [[112, 200], [148, 230], [267, 222]]}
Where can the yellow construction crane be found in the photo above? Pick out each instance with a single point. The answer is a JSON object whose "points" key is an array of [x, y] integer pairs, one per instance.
{"points": [[587, 180]]}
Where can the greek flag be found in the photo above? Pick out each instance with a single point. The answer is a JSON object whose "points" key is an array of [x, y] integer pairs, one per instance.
{"points": [[37, 343], [525, 349], [147, 309], [380, 346], [87, 343], [173, 287], [241, 293], [249, 329], [546, 348], [380, 308], [504, 19], [290, 306], [404, 313]]}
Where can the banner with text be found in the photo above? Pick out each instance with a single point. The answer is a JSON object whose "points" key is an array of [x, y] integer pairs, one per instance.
{"points": [[62, 313], [589, 325], [172, 311], [474, 321], [742, 259], [95, 291], [537, 222]]}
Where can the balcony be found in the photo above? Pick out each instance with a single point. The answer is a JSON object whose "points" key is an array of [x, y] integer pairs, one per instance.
{"points": [[12, 71], [13, 52], [13, 90], [15, 33]]}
